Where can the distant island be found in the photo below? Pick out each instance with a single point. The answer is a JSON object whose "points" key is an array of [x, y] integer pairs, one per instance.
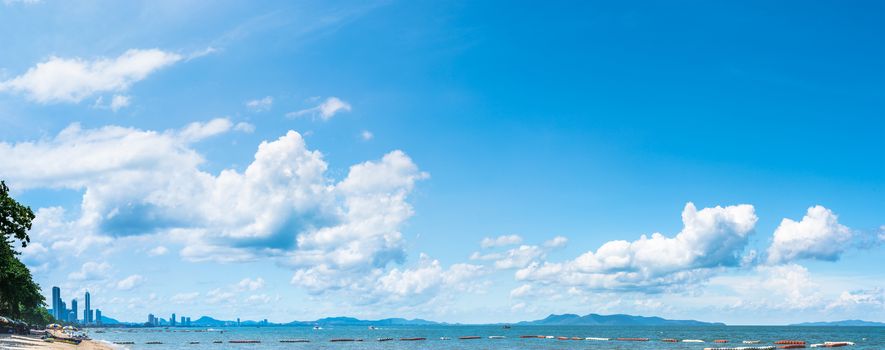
{"points": [[612, 320], [845, 323]]}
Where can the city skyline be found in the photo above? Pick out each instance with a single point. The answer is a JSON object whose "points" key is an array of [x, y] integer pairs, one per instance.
{"points": [[466, 162], [58, 309]]}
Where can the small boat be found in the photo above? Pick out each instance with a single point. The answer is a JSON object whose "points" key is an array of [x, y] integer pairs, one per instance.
{"points": [[372, 328], [317, 328], [506, 326]]}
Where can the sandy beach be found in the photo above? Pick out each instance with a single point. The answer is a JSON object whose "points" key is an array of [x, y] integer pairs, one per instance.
{"points": [[19, 342]]}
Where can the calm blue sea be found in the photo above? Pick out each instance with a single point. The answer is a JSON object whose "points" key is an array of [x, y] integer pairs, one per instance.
{"points": [[179, 338]]}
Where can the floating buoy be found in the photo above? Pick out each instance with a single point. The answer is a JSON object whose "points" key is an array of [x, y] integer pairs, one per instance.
{"points": [[154, 342], [562, 338], [125, 342], [244, 341], [341, 339], [790, 342], [445, 338], [750, 342], [466, 337], [294, 341], [548, 337], [194, 342], [692, 341], [497, 337], [412, 339], [595, 338], [531, 336], [217, 342], [744, 348], [792, 346], [669, 340], [385, 339], [720, 341], [633, 339]]}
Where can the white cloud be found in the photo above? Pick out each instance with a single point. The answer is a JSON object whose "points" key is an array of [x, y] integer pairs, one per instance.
{"points": [[74, 79], [218, 296], [868, 299], [119, 101], [260, 105], [245, 127], [366, 135], [184, 298], [500, 241], [158, 250], [711, 238], [25, 2], [817, 236], [325, 110], [519, 257], [138, 183], [91, 271], [427, 277], [556, 242], [251, 284], [130, 282], [521, 291], [197, 131]]}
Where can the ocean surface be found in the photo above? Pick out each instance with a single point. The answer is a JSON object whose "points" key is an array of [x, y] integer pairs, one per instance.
{"points": [[180, 338]]}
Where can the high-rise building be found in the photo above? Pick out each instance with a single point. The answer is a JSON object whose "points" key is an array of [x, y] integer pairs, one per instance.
{"points": [[98, 317], [73, 311], [62, 310], [56, 298], [87, 311], [172, 320]]}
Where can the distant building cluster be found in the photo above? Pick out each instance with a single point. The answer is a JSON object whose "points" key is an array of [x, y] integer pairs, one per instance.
{"points": [[61, 312], [154, 321]]}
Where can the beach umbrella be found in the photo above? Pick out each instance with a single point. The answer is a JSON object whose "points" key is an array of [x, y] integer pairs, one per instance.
{"points": [[54, 326]]}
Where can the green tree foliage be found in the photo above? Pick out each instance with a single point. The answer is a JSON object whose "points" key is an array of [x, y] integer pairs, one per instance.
{"points": [[20, 296]]}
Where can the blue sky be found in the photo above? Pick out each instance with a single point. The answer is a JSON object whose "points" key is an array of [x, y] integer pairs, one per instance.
{"points": [[154, 141]]}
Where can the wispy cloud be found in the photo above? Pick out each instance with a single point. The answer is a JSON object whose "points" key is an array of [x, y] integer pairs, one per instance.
{"points": [[260, 105], [74, 79], [325, 110]]}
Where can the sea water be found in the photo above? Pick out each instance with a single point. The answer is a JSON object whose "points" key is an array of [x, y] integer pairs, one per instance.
{"points": [[180, 338]]}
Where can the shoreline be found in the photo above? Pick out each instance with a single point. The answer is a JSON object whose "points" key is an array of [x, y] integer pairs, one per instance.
{"points": [[22, 342]]}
